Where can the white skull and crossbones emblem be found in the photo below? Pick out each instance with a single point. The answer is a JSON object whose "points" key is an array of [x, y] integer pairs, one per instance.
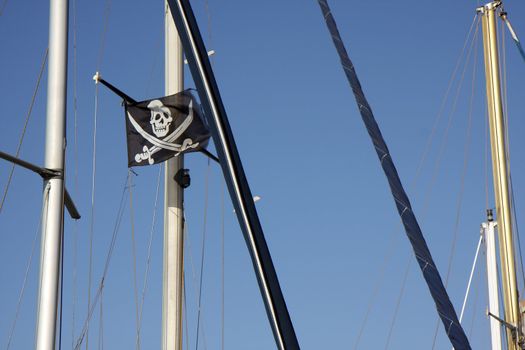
{"points": [[160, 121], [160, 118]]}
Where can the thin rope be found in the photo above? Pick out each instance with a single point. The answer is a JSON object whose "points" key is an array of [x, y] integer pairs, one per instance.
{"points": [[378, 283], [398, 303], [475, 308], [203, 247], [516, 229], [92, 219], [134, 260], [470, 279], [465, 164], [61, 301], [75, 171], [99, 62], [452, 113], [222, 264], [486, 170], [28, 267], [101, 322], [507, 145], [500, 292], [188, 249], [118, 220], [28, 116], [464, 171], [185, 312], [503, 70], [107, 11], [439, 115], [148, 259]]}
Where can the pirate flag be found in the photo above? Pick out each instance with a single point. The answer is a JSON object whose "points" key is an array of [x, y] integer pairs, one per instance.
{"points": [[165, 127]]}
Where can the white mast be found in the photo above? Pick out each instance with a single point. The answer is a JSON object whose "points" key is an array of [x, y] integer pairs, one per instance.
{"points": [[53, 198], [172, 285], [487, 230]]}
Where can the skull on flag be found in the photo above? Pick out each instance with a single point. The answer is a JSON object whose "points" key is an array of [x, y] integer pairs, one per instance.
{"points": [[160, 118]]}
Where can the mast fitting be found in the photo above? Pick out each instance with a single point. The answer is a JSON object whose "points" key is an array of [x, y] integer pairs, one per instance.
{"points": [[182, 177]]}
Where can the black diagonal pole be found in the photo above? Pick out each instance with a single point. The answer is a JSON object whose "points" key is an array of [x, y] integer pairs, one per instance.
{"points": [[238, 187]]}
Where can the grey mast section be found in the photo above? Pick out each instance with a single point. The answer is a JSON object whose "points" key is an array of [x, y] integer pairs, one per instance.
{"points": [[53, 198], [173, 253]]}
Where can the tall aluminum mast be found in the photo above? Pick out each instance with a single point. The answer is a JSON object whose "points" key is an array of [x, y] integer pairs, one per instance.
{"points": [[172, 285], [53, 198], [499, 169]]}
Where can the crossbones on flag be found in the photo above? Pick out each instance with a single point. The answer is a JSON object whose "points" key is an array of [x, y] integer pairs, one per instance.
{"points": [[162, 128]]}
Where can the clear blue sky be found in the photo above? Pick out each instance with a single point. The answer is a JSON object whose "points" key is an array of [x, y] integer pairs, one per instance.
{"points": [[328, 216]]}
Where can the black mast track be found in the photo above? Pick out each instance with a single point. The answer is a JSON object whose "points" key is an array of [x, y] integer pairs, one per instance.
{"points": [[444, 306], [234, 175]]}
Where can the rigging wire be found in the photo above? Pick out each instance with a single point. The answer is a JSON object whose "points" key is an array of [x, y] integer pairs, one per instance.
{"points": [[222, 264], [422, 160], [148, 259], [203, 246], [75, 170], [377, 286], [439, 115], [503, 72], [193, 273], [486, 170], [107, 11], [101, 323], [398, 303], [474, 44], [154, 215], [516, 230], [476, 298], [96, 299], [464, 171], [92, 219], [473, 269], [504, 342], [61, 301], [134, 260], [94, 151], [24, 129], [452, 113], [507, 149], [185, 312], [28, 266]]}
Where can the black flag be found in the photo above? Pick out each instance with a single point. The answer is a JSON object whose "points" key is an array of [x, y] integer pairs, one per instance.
{"points": [[161, 128]]}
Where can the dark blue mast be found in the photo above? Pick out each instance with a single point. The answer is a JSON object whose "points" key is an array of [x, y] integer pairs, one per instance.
{"points": [[444, 306]]}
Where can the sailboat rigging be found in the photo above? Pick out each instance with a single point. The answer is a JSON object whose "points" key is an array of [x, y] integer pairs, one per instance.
{"points": [[322, 292]]}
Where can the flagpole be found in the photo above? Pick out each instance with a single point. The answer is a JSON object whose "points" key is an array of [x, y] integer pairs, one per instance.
{"points": [[172, 285], [53, 197]]}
